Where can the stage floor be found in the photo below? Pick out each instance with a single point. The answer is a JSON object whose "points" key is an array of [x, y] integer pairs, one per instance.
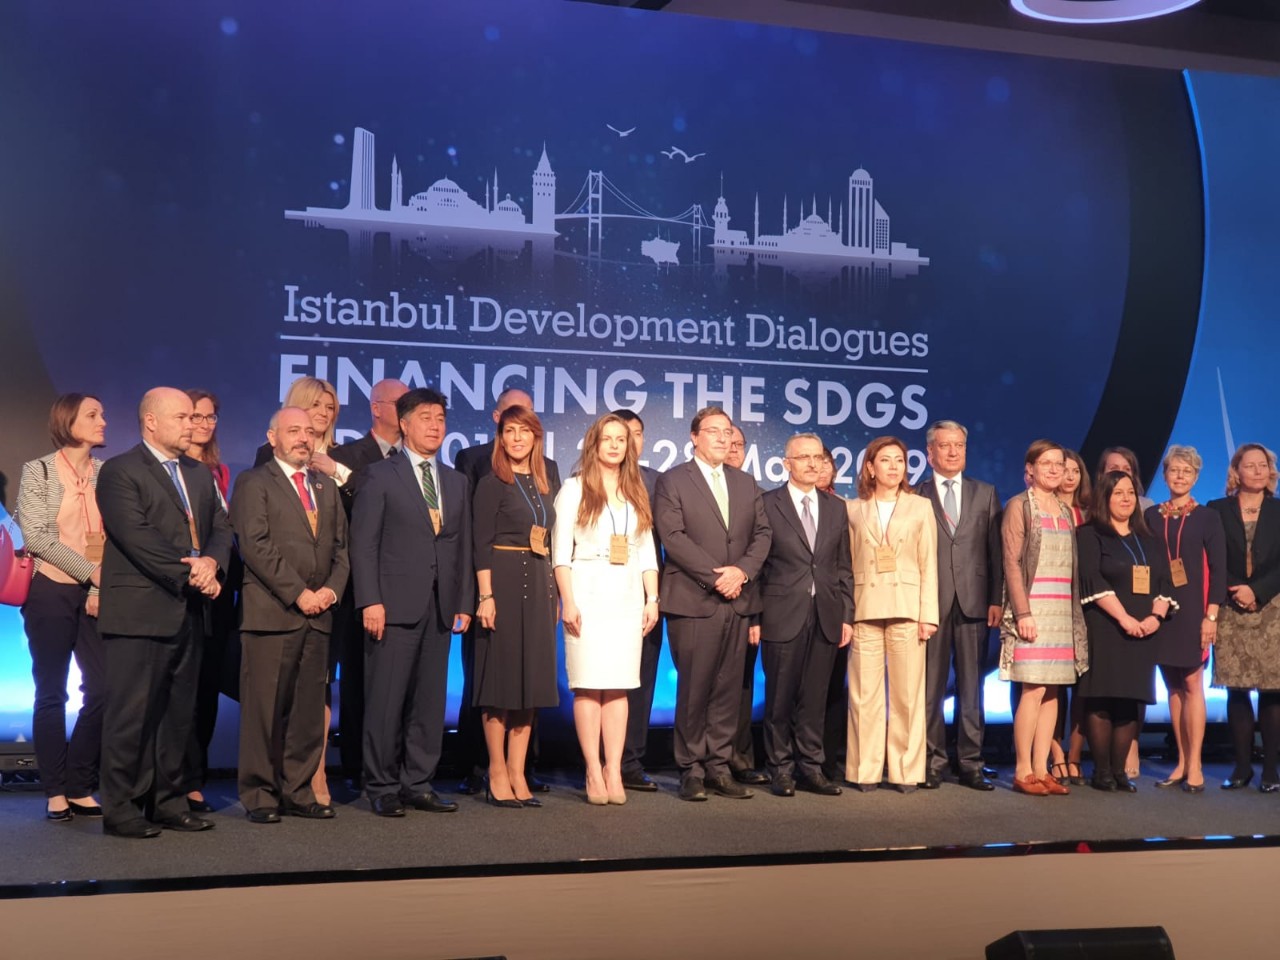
{"points": [[651, 831]]}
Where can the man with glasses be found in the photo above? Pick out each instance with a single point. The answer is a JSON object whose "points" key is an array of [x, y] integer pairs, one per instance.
{"points": [[807, 584], [716, 538], [970, 594]]}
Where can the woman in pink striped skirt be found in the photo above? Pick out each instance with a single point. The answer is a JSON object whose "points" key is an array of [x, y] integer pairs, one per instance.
{"points": [[1043, 644]]}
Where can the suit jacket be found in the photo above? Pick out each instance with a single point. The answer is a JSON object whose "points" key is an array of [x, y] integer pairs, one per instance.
{"points": [[281, 555], [1265, 581], [144, 581], [696, 540], [650, 477], [397, 560], [911, 590], [476, 462], [356, 455], [970, 564], [791, 565]]}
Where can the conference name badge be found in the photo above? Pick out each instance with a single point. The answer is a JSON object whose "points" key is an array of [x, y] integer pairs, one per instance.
{"points": [[618, 548], [1178, 572], [1141, 580], [886, 562], [93, 545], [538, 540]]}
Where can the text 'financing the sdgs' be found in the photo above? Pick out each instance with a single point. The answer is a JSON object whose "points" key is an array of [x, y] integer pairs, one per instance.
{"points": [[485, 315]]}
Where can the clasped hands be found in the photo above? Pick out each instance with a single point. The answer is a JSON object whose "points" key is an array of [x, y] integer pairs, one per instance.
{"points": [[315, 602], [1242, 596], [1140, 628], [204, 575], [729, 583]]}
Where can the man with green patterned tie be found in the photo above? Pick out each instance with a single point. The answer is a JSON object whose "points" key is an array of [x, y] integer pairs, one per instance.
{"points": [[414, 586], [713, 528]]}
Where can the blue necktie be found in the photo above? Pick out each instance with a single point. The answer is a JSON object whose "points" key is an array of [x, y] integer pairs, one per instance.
{"points": [[172, 467]]}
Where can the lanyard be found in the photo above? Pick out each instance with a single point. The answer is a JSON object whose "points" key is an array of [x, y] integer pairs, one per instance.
{"points": [[884, 526], [1181, 526], [1135, 555], [82, 492], [626, 516], [538, 494]]}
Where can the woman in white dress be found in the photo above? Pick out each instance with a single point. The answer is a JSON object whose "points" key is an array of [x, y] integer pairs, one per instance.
{"points": [[607, 572]]}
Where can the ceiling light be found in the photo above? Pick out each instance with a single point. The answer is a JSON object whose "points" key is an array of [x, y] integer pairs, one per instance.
{"points": [[1098, 11]]}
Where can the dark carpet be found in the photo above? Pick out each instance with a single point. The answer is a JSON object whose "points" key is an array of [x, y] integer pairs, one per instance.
{"points": [[650, 827]]}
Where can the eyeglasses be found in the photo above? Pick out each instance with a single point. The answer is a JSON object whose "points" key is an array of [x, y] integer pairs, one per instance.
{"points": [[210, 418], [807, 458], [726, 432], [1051, 465], [737, 446]]}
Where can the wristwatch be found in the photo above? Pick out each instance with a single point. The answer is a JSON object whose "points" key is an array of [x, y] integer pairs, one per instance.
{"points": [[1211, 617], [649, 600]]}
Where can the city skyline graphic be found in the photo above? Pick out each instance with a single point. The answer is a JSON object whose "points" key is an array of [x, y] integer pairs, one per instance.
{"points": [[857, 231]]}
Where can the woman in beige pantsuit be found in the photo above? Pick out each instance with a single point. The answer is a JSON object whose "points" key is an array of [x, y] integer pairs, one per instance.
{"points": [[894, 537]]}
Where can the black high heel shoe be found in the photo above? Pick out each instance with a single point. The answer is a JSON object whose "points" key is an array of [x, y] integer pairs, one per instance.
{"points": [[1237, 782], [1104, 782], [489, 798], [1124, 784]]}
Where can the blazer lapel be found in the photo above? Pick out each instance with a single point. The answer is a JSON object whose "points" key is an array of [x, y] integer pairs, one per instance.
{"points": [[931, 494], [700, 483], [788, 509], [404, 468], [162, 477]]}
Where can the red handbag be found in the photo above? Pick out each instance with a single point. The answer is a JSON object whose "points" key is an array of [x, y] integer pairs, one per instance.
{"points": [[15, 567]]}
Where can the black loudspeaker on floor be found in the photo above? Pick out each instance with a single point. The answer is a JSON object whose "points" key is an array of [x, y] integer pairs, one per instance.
{"points": [[1105, 943]]}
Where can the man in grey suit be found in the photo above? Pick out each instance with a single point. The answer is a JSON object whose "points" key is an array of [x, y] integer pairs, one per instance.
{"points": [[713, 528], [414, 585], [807, 617], [970, 588], [292, 532]]}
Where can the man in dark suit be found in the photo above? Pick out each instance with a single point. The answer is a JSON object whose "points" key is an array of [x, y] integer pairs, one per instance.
{"points": [[473, 757], [970, 594], [415, 585], [640, 699], [382, 441], [292, 533], [716, 538], [168, 546], [806, 588]]}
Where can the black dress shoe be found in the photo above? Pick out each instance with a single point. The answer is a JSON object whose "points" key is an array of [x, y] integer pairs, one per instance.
{"points": [[536, 785], [185, 823], [137, 829], [1168, 782], [750, 776], [905, 787], [309, 811], [263, 815], [387, 805], [511, 803], [1192, 787], [1124, 784], [866, 787], [472, 785], [200, 806], [726, 786], [58, 816], [692, 788], [1266, 786], [84, 809], [431, 802], [976, 781], [1104, 782], [639, 781], [1237, 782], [529, 801], [783, 786], [991, 772], [820, 785], [930, 782]]}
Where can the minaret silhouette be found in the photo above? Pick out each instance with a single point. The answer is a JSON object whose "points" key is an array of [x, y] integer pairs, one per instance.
{"points": [[755, 233], [397, 185], [784, 215]]}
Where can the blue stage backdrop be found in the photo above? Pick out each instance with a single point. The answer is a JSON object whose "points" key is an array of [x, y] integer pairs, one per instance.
{"points": [[607, 208]]}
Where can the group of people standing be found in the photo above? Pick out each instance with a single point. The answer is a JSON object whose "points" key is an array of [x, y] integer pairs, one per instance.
{"points": [[374, 553]]}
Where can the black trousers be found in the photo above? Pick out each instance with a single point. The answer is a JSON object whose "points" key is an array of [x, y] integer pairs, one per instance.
{"points": [[709, 654], [796, 676], [348, 636], [209, 686], [962, 643], [472, 754], [58, 628], [151, 685], [640, 702], [406, 677], [282, 687]]}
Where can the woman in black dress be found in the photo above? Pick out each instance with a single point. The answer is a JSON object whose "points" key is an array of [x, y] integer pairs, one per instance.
{"points": [[1125, 590], [1195, 547], [1247, 654], [515, 659]]}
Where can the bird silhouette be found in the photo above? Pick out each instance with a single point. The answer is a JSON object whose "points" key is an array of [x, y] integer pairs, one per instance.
{"points": [[686, 157], [669, 154], [621, 133]]}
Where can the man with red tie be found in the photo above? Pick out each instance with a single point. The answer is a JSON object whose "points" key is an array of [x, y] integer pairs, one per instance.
{"points": [[292, 533]]}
